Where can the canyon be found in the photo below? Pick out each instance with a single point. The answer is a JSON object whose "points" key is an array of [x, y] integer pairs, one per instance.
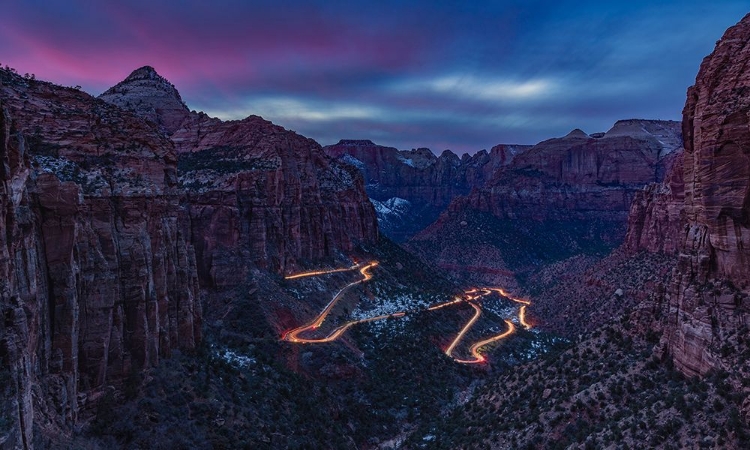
{"points": [[562, 197], [163, 273], [411, 188], [109, 239]]}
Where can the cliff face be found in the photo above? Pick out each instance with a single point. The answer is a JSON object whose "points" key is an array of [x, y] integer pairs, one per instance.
{"points": [[24, 338], [263, 195], [411, 188], [99, 280], [579, 176], [562, 197], [258, 195], [656, 222], [708, 302]]}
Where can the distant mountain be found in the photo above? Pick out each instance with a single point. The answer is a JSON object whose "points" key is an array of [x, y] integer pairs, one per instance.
{"points": [[560, 197], [423, 184]]}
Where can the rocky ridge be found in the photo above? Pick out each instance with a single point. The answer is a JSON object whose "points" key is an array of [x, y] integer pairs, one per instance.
{"points": [[581, 176], [562, 197], [259, 196], [417, 179]]}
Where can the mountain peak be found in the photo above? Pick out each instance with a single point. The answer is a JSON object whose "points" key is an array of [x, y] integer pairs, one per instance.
{"points": [[150, 96], [577, 133], [144, 73]]}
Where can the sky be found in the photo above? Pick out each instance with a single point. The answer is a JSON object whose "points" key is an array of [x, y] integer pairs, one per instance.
{"points": [[459, 75]]}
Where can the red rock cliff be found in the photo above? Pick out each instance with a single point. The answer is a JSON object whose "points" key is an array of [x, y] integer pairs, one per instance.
{"points": [[579, 176], [418, 175], [708, 302], [411, 188], [656, 222], [267, 197], [258, 195], [98, 278]]}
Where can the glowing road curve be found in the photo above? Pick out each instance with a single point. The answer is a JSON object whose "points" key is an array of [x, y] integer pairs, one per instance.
{"points": [[471, 297]]}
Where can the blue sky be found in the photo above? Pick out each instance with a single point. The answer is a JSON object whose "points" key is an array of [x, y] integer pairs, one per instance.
{"points": [[438, 74]]}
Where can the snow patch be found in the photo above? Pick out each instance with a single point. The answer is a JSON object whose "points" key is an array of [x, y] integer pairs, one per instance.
{"points": [[349, 159], [391, 212], [409, 162], [236, 359]]}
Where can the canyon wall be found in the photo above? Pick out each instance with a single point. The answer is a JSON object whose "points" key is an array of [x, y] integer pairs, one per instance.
{"points": [[99, 278], [560, 198], [581, 176], [656, 221], [411, 188], [259, 196], [709, 302]]}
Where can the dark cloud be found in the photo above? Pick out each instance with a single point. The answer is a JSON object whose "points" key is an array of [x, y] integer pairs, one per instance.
{"points": [[442, 74]]}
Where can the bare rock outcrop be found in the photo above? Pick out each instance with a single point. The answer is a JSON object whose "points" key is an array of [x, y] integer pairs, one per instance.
{"points": [[709, 308], [152, 97], [418, 180], [99, 280], [656, 222]]}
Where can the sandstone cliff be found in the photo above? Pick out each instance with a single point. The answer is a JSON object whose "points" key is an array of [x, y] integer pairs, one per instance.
{"points": [[656, 221], [562, 197], [411, 188], [708, 303], [580, 176], [99, 280], [258, 195]]}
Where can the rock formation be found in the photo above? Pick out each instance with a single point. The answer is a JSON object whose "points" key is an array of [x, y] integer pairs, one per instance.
{"points": [[150, 96], [259, 195], [579, 176], [656, 220], [561, 197], [99, 280], [421, 183], [708, 301]]}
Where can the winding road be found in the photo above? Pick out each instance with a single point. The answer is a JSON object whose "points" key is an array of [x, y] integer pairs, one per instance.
{"points": [[471, 296]]}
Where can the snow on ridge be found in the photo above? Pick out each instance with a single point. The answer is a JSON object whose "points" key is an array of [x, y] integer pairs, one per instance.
{"points": [[349, 159], [394, 206], [409, 162]]}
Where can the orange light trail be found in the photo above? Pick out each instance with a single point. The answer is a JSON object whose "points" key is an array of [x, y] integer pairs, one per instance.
{"points": [[478, 357], [293, 335], [443, 305], [321, 272], [469, 324], [469, 296], [521, 311]]}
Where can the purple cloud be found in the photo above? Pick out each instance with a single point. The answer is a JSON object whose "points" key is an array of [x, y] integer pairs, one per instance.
{"points": [[459, 75]]}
